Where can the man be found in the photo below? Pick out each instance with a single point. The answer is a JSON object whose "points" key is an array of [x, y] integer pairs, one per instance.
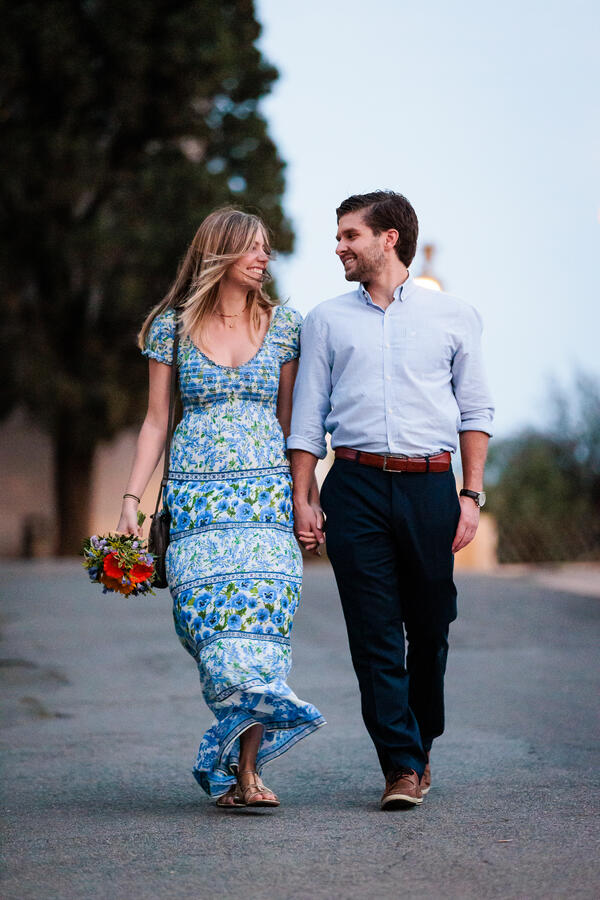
{"points": [[393, 372]]}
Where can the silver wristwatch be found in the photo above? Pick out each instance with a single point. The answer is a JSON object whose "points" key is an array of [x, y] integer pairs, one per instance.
{"points": [[477, 496]]}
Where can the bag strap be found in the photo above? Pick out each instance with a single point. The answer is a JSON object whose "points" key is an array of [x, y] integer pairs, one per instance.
{"points": [[170, 429]]}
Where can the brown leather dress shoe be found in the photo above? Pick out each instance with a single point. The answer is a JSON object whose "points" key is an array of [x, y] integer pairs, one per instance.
{"points": [[402, 790], [425, 783]]}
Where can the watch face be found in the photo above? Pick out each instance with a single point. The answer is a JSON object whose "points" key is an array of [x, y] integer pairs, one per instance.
{"points": [[481, 499]]}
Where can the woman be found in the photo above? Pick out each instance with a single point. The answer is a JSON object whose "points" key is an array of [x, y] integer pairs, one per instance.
{"points": [[233, 566]]}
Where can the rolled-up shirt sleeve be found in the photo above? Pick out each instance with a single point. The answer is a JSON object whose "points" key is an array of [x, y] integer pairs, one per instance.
{"points": [[468, 378], [312, 392]]}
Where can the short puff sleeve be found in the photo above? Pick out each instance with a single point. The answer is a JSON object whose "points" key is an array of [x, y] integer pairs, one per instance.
{"points": [[287, 333], [159, 340]]}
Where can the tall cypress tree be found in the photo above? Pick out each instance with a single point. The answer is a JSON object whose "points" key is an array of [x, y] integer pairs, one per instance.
{"points": [[122, 125]]}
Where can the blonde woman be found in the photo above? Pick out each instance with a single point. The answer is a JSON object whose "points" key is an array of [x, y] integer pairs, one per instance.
{"points": [[233, 565]]}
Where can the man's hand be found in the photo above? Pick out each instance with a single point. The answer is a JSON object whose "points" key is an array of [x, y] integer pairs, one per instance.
{"points": [[467, 524], [308, 526]]}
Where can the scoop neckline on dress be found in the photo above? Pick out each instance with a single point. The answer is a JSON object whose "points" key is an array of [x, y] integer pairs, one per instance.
{"points": [[248, 361]]}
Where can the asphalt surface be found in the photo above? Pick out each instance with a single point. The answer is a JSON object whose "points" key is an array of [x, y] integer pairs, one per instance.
{"points": [[103, 715]]}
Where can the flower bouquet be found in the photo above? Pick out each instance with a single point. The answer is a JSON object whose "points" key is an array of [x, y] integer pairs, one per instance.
{"points": [[119, 562]]}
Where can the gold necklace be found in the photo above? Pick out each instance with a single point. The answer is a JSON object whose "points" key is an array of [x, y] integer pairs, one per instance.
{"points": [[230, 316]]}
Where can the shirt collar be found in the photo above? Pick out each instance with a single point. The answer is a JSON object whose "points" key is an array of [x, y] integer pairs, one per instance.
{"points": [[401, 292]]}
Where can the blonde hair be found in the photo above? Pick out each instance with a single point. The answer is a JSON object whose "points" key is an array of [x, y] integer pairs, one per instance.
{"points": [[222, 238]]}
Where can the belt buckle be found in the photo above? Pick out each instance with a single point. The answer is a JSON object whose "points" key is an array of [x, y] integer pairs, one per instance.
{"points": [[387, 456]]}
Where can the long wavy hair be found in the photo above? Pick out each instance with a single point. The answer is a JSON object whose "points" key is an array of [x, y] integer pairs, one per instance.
{"points": [[222, 238]]}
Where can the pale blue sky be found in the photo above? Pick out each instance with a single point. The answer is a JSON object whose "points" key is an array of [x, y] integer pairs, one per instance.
{"points": [[486, 117]]}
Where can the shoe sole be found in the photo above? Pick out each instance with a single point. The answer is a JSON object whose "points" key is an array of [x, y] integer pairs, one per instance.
{"points": [[425, 790], [400, 801], [263, 803], [230, 805]]}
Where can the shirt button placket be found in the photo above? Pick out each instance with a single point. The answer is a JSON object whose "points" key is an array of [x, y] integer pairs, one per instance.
{"points": [[387, 378]]}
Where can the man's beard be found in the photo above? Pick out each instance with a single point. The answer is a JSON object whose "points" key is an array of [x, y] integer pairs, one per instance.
{"points": [[366, 266]]}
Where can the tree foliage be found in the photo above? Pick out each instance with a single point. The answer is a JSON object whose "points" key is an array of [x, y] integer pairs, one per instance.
{"points": [[122, 126], [545, 485]]}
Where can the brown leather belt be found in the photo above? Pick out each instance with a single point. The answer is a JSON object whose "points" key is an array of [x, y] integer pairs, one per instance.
{"points": [[440, 462]]}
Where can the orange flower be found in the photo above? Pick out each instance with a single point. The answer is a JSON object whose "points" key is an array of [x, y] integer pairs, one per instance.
{"points": [[115, 584], [141, 572], [111, 567]]}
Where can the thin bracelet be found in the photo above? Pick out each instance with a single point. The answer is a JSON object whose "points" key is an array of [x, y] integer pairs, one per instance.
{"points": [[133, 497]]}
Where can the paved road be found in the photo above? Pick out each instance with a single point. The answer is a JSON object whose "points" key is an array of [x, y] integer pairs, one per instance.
{"points": [[103, 715]]}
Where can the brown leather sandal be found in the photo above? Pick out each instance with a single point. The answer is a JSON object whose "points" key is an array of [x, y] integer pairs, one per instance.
{"points": [[251, 791], [232, 794]]}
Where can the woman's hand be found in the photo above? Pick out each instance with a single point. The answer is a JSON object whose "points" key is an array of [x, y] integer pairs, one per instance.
{"points": [[308, 526], [128, 523]]}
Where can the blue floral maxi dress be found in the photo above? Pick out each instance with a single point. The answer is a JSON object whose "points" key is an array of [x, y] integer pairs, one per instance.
{"points": [[233, 565]]}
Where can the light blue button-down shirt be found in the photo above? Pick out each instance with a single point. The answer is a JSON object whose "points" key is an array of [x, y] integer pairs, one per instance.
{"points": [[405, 380]]}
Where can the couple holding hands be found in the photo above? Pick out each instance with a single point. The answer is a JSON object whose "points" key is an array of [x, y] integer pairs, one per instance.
{"points": [[393, 372]]}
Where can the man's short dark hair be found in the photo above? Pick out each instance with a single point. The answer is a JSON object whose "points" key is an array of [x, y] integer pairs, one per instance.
{"points": [[383, 210]]}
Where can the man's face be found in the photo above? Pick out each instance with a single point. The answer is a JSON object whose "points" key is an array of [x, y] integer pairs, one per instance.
{"points": [[360, 250]]}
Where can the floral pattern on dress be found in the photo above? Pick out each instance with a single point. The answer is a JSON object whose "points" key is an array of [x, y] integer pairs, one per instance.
{"points": [[233, 565], [248, 499], [262, 606], [262, 696]]}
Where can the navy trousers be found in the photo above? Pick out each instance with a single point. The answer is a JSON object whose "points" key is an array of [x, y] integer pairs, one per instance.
{"points": [[389, 538]]}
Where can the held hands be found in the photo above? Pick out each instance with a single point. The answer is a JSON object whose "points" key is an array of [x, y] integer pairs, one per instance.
{"points": [[467, 524], [308, 526], [128, 523]]}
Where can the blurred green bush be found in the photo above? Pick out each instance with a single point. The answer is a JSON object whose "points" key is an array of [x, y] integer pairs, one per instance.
{"points": [[544, 485]]}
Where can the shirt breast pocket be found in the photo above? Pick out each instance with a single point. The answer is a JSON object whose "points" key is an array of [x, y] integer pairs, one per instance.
{"points": [[405, 339], [423, 353]]}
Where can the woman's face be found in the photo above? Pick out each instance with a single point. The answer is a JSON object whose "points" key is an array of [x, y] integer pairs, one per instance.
{"points": [[249, 270]]}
